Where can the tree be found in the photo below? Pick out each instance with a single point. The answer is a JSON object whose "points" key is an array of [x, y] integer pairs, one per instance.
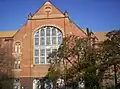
{"points": [[6, 66], [82, 59]]}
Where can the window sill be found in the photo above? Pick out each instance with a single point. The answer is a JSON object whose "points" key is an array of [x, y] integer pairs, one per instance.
{"points": [[16, 70], [41, 64]]}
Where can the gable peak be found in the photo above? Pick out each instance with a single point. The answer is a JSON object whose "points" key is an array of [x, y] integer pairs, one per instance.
{"points": [[48, 10]]}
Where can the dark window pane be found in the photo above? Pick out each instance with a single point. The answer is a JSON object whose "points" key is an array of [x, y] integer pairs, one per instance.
{"points": [[47, 32], [53, 40], [42, 32], [37, 34], [54, 32], [42, 41], [36, 41], [36, 52], [42, 52], [42, 60], [36, 60], [48, 41]]}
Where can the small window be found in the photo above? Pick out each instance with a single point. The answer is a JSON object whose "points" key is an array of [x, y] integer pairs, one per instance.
{"points": [[16, 84], [17, 64], [17, 47]]}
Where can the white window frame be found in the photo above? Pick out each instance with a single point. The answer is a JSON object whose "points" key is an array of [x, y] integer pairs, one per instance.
{"points": [[55, 46]]}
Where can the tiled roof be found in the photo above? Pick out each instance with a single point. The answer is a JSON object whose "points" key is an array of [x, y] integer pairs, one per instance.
{"points": [[7, 33]]}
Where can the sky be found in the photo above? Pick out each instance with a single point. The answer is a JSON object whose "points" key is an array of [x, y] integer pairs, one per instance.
{"points": [[97, 15]]}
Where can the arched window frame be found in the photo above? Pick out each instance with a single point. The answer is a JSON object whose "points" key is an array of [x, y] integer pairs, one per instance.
{"points": [[43, 45]]}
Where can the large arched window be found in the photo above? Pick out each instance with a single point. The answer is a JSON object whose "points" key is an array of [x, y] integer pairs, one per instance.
{"points": [[46, 40]]}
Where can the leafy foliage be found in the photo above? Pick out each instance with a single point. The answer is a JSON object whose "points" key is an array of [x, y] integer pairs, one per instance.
{"points": [[6, 66], [85, 59]]}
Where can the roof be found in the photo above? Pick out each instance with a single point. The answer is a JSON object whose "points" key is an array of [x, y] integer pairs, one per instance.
{"points": [[100, 35], [47, 10], [7, 33]]}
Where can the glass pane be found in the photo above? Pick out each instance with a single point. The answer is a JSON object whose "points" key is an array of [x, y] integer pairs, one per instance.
{"points": [[53, 40], [54, 32], [59, 33], [42, 52], [19, 57], [37, 34], [36, 52], [47, 60], [18, 64], [36, 60], [47, 32], [36, 41], [59, 40], [42, 41], [42, 60], [48, 41], [54, 50], [42, 32], [48, 51]]}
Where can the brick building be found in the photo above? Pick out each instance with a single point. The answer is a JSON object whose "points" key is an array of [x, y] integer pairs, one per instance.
{"points": [[41, 34]]}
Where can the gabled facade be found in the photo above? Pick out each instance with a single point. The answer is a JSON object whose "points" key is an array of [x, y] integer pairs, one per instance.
{"points": [[31, 44]]}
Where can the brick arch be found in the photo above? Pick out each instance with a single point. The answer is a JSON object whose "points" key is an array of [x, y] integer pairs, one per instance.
{"points": [[61, 29]]}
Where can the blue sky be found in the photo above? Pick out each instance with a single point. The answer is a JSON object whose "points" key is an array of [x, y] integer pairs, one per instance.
{"points": [[97, 15]]}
